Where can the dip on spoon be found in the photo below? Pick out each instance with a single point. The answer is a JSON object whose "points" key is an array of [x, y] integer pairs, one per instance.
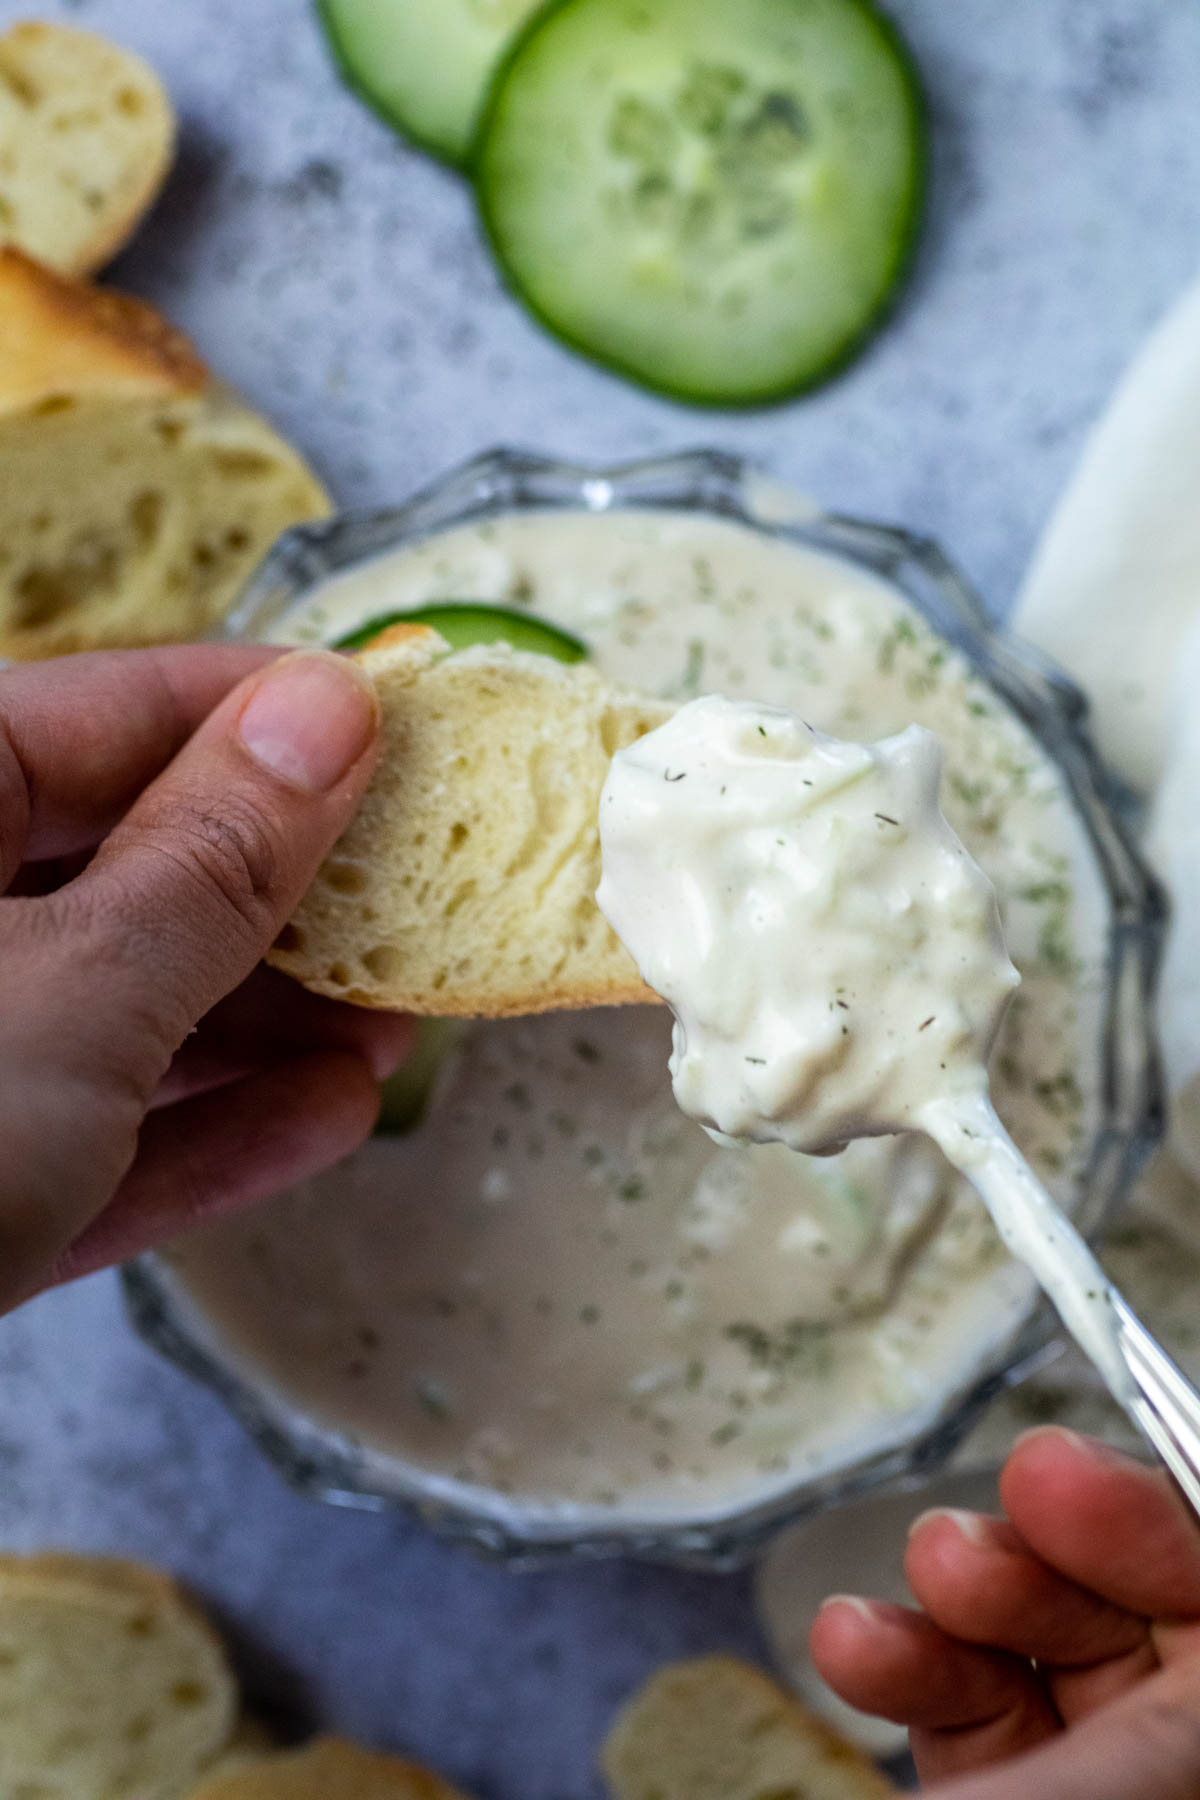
{"points": [[833, 958]]}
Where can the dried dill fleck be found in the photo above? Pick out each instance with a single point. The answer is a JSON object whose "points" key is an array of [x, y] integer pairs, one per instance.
{"points": [[801, 1346], [902, 632], [433, 1399], [1060, 1094], [1054, 944], [969, 792], [689, 682], [1056, 892]]}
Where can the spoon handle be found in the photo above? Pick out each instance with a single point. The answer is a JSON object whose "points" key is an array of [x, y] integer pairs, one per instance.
{"points": [[1167, 1408], [1139, 1374]]}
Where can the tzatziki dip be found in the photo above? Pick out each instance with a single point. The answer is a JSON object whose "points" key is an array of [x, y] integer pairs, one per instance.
{"points": [[558, 1294], [832, 957]]}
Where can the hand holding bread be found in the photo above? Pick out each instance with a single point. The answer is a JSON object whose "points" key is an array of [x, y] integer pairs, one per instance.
{"points": [[200, 788]]}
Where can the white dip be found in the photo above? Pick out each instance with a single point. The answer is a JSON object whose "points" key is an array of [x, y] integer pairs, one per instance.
{"points": [[558, 1289], [832, 956]]}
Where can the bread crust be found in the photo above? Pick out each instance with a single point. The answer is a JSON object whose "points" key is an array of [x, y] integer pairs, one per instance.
{"points": [[466, 1003], [330, 1768], [65, 339]]}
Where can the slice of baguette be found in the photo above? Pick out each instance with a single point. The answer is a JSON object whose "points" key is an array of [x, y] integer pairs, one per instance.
{"points": [[465, 886], [86, 138], [136, 494], [111, 1682], [718, 1729], [327, 1769]]}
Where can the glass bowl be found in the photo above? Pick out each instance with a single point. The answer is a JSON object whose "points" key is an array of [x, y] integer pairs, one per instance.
{"points": [[342, 1471]]}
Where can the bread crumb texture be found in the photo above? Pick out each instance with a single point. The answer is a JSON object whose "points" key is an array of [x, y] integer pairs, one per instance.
{"points": [[718, 1729], [328, 1769], [465, 886], [87, 134], [112, 1684], [136, 495]]}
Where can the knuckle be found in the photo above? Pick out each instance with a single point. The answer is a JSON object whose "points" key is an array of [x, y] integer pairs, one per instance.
{"points": [[115, 1049], [229, 861]]}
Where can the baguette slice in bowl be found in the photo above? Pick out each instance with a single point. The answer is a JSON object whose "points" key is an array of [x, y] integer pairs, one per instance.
{"points": [[136, 494], [86, 138], [465, 885]]}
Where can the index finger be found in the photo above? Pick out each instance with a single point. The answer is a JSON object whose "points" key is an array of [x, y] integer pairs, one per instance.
{"points": [[1115, 1527], [81, 736]]}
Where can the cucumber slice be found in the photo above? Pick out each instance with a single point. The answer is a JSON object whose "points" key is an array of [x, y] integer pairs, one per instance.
{"points": [[465, 622], [404, 1096], [716, 197], [424, 64]]}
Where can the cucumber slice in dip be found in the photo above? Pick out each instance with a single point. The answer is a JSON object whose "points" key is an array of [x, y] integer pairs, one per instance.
{"points": [[404, 1096], [465, 622], [715, 197], [424, 64]]}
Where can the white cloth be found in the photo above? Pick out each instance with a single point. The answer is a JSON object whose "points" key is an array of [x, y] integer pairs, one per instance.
{"points": [[1115, 582]]}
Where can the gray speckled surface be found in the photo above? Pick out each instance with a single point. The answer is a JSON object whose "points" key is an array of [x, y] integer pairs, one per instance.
{"points": [[338, 278]]}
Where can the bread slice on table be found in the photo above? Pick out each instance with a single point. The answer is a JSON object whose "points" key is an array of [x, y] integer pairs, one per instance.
{"points": [[136, 494], [86, 139], [327, 1769], [718, 1729], [465, 886], [69, 1571], [111, 1682]]}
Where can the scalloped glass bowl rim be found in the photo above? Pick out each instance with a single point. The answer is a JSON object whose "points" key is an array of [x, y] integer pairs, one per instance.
{"points": [[319, 1462]]}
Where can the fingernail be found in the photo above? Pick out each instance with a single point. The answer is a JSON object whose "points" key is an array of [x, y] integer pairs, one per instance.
{"points": [[1082, 1446], [310, 718], [973, 1526], [866, 1609], [1058, 1432]]}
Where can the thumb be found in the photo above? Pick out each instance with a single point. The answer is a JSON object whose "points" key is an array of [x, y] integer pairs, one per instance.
{"points": [[1145, 1746], [189, 891]]}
